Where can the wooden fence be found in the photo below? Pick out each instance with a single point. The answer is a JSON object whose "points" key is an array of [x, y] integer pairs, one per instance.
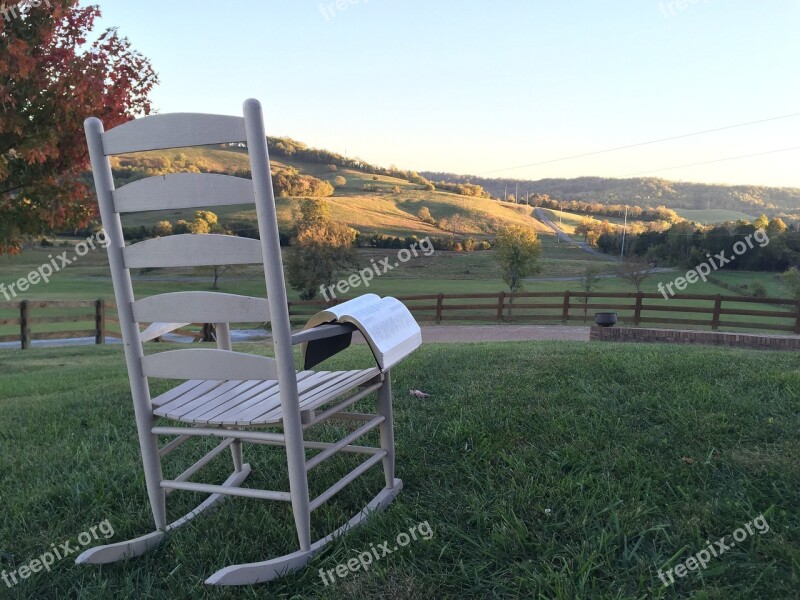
{"points": [[88, 321], [687, 310], [89, 318]]}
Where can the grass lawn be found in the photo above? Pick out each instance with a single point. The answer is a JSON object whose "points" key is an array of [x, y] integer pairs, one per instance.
{"points": [[544, 470]]}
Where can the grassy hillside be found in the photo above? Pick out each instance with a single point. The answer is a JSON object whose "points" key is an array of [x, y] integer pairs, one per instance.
{"points": [[647, 192], [382, 209], [713, 215]]}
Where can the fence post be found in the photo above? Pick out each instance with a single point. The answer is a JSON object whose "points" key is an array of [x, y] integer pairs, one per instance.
{"points": [[717, 309], [637, 313], [797, 321], [565, 309], [501, 300], [439, 299], [100, 322], [24, 325]]}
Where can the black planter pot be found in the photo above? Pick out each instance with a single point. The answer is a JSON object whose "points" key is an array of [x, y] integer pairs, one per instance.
{"points": [[605, 319]]}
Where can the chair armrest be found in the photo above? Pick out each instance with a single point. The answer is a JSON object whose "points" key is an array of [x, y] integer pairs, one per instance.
{"points": [[321, 332]]}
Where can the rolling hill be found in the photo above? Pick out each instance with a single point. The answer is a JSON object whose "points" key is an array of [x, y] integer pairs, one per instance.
{"points": [[648, 192], [387, 201], [389, 205]]}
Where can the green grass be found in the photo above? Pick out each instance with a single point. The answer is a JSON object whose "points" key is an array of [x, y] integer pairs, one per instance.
{"points": [[772, 282], [713, 215], [545, 470], [442, 272]]}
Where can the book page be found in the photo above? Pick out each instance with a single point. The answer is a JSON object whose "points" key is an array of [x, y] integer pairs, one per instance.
{"points": [[353, 307], [389, 327], [334, 313]]}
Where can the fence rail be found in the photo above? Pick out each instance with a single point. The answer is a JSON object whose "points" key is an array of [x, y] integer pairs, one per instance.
{"points": [[687, 310], [632, 308]]}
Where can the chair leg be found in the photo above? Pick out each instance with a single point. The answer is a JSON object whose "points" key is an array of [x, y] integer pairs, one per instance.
{"points": [[298, 477], [153, 474], [387, 428], [236, 451]]}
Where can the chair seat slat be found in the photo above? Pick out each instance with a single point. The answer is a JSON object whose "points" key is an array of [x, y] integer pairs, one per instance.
{"points": [[199, 391], [176, 392], [176, 410], [339, 383], [198, 409], [272, 401]]}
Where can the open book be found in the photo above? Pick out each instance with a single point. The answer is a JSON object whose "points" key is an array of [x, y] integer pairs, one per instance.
{"points": [[390, 330]]}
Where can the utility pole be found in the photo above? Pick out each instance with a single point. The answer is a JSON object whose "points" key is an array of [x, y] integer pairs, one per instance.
{"points": [[624, 229], [560, 224]]}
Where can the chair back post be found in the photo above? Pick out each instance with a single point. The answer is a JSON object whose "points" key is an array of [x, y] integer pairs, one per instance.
{"points": [[279, 311], [123, 294]]}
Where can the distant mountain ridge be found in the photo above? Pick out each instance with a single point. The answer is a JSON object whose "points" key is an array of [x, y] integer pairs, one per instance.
{"points": [[645, 192]]}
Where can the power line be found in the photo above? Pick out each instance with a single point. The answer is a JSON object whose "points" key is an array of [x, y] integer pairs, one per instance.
{"points": [[719, 160], [668, 139]]}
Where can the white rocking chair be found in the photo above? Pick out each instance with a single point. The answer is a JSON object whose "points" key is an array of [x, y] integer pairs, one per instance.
{"points": [[226, 394]]}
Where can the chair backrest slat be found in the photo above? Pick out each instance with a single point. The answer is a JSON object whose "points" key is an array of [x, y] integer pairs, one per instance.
{"points": [[218, 365], [183, 190], [201, 307], [193, 250], [175, 130]]}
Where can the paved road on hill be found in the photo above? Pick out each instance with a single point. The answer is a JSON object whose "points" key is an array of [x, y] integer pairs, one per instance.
{"points": [[566, 238]]}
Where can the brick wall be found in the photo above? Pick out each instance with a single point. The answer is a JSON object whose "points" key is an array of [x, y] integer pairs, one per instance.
{"points": [[682, 336]]}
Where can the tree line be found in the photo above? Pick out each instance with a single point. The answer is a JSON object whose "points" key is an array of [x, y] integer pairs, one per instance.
{"points": [[688, 244]]}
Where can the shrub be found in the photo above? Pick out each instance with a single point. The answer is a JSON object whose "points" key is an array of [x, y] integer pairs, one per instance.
{"points": [[758, 289], [425, 216]]}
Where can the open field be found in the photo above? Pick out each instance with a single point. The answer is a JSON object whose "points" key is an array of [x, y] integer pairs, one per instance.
{"points": [[557, 470], [442, 272], [712, 215]]}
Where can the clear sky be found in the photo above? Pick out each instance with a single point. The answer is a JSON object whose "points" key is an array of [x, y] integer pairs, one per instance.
{"points": [[476, 86]]}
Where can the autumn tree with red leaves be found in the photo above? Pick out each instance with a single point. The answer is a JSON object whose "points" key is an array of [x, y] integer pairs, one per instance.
{"points": [[51, 79]]}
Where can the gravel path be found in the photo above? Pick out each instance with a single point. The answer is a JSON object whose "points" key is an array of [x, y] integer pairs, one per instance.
{"points": [[498, 333]]}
